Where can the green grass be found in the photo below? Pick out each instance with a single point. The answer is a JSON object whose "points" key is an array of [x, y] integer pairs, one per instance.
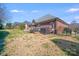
{"points": [[77, 37], [45, 45], [14, 33], [8, 35]]}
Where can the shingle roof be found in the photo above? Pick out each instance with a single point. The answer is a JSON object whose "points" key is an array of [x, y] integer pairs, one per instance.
{"points": [[44, 18], [48, 17]]}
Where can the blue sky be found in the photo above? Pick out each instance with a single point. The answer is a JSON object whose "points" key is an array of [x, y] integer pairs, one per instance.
{"points": [[20, 12]]}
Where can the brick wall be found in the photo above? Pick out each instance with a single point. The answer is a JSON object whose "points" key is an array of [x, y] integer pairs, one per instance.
{"points": [[60, 27]]}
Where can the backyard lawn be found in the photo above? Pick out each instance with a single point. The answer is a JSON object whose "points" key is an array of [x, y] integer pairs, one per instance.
{"points": [[17, 42]]}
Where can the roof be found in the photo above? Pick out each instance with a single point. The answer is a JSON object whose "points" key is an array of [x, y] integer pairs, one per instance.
{"points": [[44, 18], [49, 17]]}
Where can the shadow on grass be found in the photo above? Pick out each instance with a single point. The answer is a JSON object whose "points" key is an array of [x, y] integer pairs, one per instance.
{"points": [[3, 35], [70, 48]]}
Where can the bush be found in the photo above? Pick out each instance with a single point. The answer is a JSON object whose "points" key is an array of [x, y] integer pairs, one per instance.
{"points": [[22, 26], [67, 31]]}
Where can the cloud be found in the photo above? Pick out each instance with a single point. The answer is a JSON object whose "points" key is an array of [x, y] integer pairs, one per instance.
{"points": [[16, 11], [72, 10], [35, 11], [76, 17]]}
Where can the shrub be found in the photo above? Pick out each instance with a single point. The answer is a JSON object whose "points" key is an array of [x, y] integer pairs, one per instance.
{"points": [[67, 31], [22, 26]]}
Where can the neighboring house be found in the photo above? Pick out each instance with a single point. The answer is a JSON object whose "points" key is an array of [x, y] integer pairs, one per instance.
{"points": [[49, 24]]}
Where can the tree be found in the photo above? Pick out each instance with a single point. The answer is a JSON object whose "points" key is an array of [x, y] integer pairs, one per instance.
{"points": [[1, 26], [22, 26], [2, 15], [74, 26], [73, 22], [9, 26], [67, 31], [76, 30], [33, 22]]}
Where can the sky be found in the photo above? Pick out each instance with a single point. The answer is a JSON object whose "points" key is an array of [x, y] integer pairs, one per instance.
{"points": [[20, 12]]}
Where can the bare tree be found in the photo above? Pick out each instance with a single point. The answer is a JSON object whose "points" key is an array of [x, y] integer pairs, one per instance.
{"points": [[74, 26], [2, 15]]}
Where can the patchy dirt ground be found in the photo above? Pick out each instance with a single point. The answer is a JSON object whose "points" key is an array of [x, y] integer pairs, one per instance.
{"points": [[36, 44]]}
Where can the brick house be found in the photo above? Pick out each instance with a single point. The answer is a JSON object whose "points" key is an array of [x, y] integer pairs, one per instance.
{"points": [[49, 24]]}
